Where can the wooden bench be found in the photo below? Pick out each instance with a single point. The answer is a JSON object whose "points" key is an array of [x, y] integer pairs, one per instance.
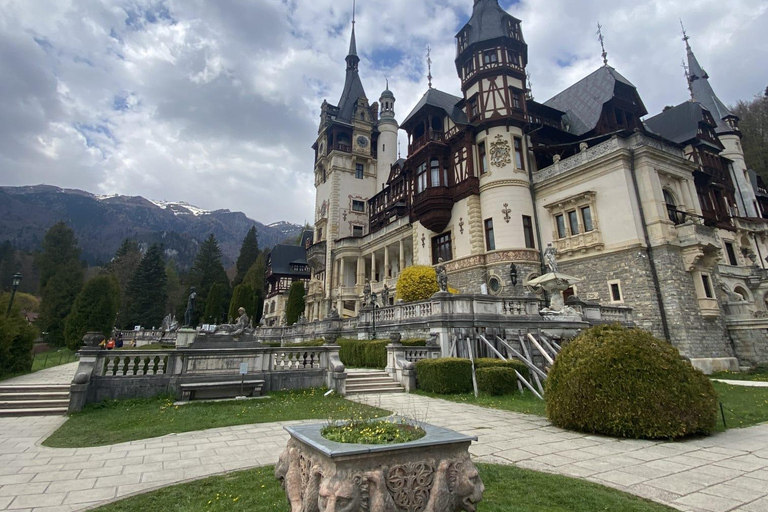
{"points": [[224, 389]]}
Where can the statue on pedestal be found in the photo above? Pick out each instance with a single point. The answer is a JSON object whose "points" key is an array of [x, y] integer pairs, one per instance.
{"points": [[237, 328], [367, 292], [190, 311], [442, 276], [385, 296], [550, 257]]}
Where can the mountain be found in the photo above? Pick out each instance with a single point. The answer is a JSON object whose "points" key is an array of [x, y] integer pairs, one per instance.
{"points": [[101, 223]]}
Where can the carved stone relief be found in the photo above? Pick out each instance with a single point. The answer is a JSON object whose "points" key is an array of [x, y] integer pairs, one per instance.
{"points": [[500, 152]]}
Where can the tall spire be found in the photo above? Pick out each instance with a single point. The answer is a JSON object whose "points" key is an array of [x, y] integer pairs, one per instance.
{"points": [[429, 65], [353, 87], [602, 43], [352, 59], [702, 92]]}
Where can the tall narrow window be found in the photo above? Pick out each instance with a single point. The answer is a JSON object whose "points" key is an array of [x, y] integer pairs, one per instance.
{"points": [[359, 171], [519, 153], [731, 253], [441, 248], [483, 158], [473, 111], [672, 212], [573, 221], [490, 242], [528, 232], [434, 172], [516, 100], [357, 230], [707, 283], [421, 178], [490, 57], [615, 291], [561, 233], [586, 217]]}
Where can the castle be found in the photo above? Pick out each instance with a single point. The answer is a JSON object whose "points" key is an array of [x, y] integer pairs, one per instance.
{"points": [[659, 214]]}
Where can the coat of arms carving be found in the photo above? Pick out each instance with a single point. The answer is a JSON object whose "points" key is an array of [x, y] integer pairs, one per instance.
{"points": [[500, 152]]}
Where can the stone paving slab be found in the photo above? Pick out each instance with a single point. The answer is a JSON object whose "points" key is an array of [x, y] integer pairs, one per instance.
{"points": [[723, 472], [62, 374]]}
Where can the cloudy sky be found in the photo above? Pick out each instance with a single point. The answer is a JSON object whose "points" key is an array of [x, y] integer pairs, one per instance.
{"points": [[216, 102]]}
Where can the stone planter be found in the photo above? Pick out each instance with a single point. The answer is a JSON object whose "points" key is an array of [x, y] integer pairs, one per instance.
{"points": [[93, 339], [431, 474]]}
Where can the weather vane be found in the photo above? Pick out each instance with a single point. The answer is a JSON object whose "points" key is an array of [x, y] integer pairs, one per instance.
{"points": [[429, 65], [602, 42], [685, 35], [353, 12], [529, 93]]}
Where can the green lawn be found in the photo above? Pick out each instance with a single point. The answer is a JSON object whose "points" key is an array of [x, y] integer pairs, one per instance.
{"points": [[744, 406], [52, 358], [526, 404], [759, 373], [117, 421], [506, 488]]}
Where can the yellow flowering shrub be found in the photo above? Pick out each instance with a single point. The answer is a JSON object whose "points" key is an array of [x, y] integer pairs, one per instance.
{"points": [[417, 282]]}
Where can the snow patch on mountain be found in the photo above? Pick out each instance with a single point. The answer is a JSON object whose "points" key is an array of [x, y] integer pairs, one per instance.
{"points": [[180, 208]]}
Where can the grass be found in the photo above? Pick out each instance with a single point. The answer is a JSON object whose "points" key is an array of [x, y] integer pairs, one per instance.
{"points": [[526, 403], [47, 359], [759, 373], [506, 488], [117, 421], [744, 406]]}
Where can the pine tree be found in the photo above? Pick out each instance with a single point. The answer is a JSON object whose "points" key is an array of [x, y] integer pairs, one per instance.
{"points": [[8, 265], [61, 278], [147, 291], [255, 276], [258, 301], [123, 266], [249, 251], [295, 305], [94, 309], [214, 311], [242, 297], [17, 338], [207, 271], [753, 124], [176, 294]]}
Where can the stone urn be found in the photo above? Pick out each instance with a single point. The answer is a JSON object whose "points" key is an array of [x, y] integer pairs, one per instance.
{"points": [[93, 338], [431, 474]]}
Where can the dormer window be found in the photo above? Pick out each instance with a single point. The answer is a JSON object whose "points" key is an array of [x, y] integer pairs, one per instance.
{"points": [[490, 57], [513, 29], [469, 67]]}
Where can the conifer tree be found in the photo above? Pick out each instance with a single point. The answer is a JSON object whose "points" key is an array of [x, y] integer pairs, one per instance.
{"points": [[255, 276], [295, 305], [17, 338], [258, 308], [147, 291], [242, 297], [94, 309], [207, 271], [61, 278], [123, 266], [214, 310], [249, 251], [176, 294]]}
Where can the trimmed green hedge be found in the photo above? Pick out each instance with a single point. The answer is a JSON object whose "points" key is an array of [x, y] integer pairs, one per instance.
{"points": [[369, 353], [496, 380], [515, 364], [310, 343], [626, 383], [447, 375]]}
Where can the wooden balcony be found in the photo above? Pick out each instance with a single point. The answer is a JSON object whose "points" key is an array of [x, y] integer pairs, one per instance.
{"points": [[433, 208], [428, 137]]}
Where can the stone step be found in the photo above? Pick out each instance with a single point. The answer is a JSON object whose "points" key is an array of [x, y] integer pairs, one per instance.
{"points": [[363, 391], [33, 404], [34, 388], [49, 395], [363, 375], [33, 412], [378, 378]]}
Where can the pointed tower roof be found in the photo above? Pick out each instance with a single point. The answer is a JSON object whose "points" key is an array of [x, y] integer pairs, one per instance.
{"points": [[702, 91], [353, 87], [488, 22]]}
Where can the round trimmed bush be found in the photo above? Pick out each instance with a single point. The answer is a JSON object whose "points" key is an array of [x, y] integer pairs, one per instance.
{"points": [[447, 375], [496, 380], [514, 364], [626, 383], [417, 282]]}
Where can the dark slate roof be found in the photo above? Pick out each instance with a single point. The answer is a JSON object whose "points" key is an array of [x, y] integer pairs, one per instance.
{"points": [[703, 93], [488, 22], [442, 100], [678, 124], [285, 255], [583, 101], [353, 90]]}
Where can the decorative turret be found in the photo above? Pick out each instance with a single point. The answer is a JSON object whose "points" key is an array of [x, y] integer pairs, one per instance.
{"points": [[387, 143]]}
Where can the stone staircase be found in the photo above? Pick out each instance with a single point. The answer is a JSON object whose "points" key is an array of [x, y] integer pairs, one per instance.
{"points": [[361, 382], [34, 399]]}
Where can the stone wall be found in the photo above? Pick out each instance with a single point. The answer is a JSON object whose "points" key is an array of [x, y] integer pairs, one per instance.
{"points": [[750, 340], [469, 280], [693, 334]]}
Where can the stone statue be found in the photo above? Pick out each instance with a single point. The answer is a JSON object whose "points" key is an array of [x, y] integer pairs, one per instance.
{"points": [[367, 292], [170, 324], [237, 328], [334, 312], [732, 296], [284, 319], [385, 295], [374, 303], [442, 276], [190, 311], [550, 257]]}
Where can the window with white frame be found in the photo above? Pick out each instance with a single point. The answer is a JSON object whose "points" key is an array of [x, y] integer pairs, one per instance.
{"points": [[614, 290], [575, 225]]}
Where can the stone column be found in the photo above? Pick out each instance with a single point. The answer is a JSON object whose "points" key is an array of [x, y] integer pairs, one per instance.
{"points": [[386, 263], [341, 272], [373, 266], [360, 276], [401, 261]]}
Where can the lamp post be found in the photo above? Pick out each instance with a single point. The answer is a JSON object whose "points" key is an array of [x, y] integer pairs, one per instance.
{"points": [[14, 286], [374, 305]]}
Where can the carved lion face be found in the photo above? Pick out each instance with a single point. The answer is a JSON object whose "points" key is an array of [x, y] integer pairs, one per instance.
{"points": [[466, 485], [337, 495]]}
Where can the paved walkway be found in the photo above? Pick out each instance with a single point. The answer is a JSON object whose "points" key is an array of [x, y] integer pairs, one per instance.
{"points": [[748, 383], [724, 472], [61, 374]]}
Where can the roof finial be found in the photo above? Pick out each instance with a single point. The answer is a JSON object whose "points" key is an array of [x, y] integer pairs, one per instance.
{"points": [[354, 2], [429, 65], [529, 92], [602, 42], [688, 79], [398, 149], [387, 79], [685, 35]]}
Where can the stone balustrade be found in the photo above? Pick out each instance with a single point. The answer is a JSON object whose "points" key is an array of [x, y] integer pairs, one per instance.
{"points": [[401, 362]]}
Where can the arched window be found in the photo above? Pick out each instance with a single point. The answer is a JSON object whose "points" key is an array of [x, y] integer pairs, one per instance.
{"points": [[741, 291], [434, 173], [672, 212]]}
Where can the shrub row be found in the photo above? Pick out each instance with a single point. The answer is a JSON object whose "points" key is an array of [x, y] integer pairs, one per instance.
{"points": [[16, 341], [369, 353], [454, 375]]}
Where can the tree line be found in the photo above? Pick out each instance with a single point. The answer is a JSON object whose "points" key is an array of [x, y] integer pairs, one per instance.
{"points": [[139, 288]]}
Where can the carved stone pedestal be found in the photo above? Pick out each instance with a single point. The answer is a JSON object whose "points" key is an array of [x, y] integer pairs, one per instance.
{"points": [[431, 474]]}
